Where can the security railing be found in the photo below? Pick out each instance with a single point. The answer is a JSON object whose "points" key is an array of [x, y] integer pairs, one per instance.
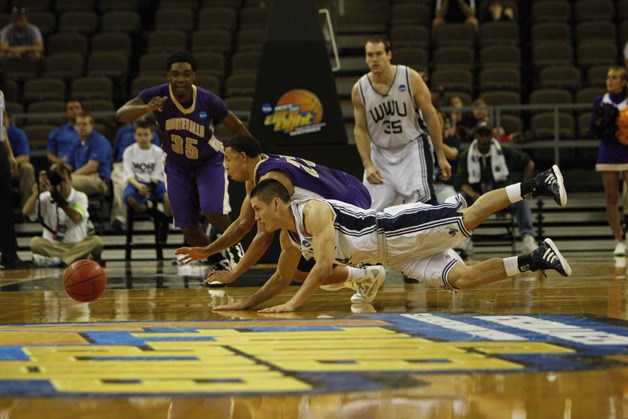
{"points": [[525, 112]]}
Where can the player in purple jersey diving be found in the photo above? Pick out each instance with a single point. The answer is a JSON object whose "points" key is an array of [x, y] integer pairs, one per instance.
{"points": [[195, 172], [303, 179]]}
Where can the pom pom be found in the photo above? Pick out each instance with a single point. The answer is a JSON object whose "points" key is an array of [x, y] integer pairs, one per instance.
{"points": [[605, 122], [622, 126]]}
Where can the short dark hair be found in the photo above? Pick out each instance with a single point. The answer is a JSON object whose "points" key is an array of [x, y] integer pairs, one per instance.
{"points": [[377, 40], [243, 143], [85, 114], [268, 189], [61, 168], [142, 124], [182, 57]]}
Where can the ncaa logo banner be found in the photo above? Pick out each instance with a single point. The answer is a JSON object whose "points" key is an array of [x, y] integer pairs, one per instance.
{"points": [[297, 112]]}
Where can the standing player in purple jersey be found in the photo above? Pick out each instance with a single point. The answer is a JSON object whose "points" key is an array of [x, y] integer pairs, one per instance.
{"points": [[195, 172], [303, 179]]}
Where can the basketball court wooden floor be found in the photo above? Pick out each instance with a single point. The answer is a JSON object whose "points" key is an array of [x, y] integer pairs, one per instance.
{"points": [[151, 346]]}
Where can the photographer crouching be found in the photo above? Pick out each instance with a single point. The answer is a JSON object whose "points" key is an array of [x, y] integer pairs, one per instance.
{"points": [[62, 211]]}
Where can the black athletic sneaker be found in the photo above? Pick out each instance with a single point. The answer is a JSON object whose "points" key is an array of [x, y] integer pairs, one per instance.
{"points": [[547, 256], [550, 183], [232, 255]]}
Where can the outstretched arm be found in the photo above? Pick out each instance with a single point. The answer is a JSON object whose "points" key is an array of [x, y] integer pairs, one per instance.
{"points": [[261, 242], [287, 265], [318, 217], [135, 108]]}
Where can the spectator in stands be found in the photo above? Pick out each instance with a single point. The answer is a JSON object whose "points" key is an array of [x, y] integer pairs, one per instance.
{"points": [[454, 11], [62, 211], [482, 114], [487, 165], [20, 39], [612, 157], [62, 140], [124, 138], [91, 158], [499, 11], [443, 188], [144, 173], [451, 146], [458, 118], [25, 175], [8, 239]]}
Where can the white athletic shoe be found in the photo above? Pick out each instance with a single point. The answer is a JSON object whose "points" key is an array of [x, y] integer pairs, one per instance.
{"points": [[368, 285], [45, 261], [620, 250], [362, 308]]}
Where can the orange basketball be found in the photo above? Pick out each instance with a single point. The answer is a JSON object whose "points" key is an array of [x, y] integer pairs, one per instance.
{"points": [[84, 280]]}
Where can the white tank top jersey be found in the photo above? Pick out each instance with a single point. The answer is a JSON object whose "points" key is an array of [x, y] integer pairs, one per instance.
{"points": [[356, 244], [393, 119]]}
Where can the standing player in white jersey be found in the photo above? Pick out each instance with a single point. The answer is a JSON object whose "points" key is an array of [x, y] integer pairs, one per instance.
{"points": [[393, 117]]}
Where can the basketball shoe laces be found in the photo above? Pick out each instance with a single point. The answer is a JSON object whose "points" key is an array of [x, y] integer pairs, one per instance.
{"points": [[544, 257], [548, 185]]}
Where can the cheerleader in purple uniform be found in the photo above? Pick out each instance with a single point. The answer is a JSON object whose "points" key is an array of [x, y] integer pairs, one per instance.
{"points": [[612, 158]]}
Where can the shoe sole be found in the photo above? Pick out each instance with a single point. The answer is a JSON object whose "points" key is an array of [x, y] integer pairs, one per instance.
{"points": [[562, 260], [561, 186], [360, 299]]}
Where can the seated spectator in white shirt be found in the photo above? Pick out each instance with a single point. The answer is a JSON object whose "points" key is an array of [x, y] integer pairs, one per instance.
{"points": [[62, 211], [144, 172]]}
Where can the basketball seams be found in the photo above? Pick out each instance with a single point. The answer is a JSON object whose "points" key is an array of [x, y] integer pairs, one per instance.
{"points": [[82, 290], [82, 282], [75, 267]]}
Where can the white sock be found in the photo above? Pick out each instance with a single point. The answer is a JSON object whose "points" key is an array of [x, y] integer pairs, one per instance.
{"points": [[354, 273], [511, 266], [514, 193]]}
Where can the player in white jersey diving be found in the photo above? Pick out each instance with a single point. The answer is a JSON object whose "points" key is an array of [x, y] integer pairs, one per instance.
{"points": [[415, 239]]}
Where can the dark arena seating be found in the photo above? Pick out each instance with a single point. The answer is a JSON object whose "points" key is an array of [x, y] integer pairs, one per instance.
{"points": [[538, 73]]}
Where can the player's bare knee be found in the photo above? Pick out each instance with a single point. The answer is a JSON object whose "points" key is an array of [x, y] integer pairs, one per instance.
{"points": [[460, 276]]}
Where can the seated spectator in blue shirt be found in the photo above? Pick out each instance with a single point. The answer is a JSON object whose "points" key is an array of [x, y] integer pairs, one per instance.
{"points": [[25, 175], [91, 158], [20, 39], [62, 140], [124, 138]]}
